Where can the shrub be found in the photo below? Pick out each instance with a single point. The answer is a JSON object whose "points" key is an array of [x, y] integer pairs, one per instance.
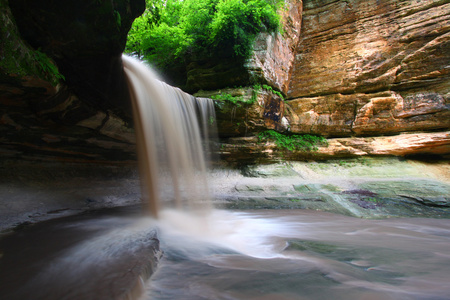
{"points": [[293, 142], [170, 31]]}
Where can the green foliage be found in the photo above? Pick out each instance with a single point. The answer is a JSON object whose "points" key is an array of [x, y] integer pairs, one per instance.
{"points": [[270, 89], [257, 88], [118, 18], [293, 142], [47, 67], [237, 100], [371, 199], [170, 31]]}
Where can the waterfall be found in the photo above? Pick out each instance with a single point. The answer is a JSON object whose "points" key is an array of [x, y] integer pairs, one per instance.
{"points": [[171, 127]]}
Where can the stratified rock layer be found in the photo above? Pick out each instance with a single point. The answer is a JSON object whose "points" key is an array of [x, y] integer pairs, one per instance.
{"points": [[250, 150], [273, 54], [371, 68], [86, 116], [380, 113]]}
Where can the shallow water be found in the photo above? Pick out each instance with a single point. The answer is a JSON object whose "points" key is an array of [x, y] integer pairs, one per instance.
{"points": [[298, 254], [263, 254]]}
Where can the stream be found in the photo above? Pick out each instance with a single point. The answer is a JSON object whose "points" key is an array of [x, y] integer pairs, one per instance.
{"points": [[252, 254]]}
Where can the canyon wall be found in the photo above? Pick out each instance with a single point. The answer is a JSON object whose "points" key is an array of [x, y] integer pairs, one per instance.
{"points": [[371, 68], [345, 68], [361, 69], [63, 93]]}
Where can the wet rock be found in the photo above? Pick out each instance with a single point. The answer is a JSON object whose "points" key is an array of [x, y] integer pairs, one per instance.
{"points": [[370, 188], [277, 170], [246, 111], [101, 255]]}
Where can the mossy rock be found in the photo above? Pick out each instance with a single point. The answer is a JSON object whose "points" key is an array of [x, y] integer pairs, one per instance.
{"points": [[414, 188], [264, 171]]}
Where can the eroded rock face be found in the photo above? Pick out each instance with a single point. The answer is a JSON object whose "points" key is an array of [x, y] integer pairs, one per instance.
{"points": [[86, 116], [86, 39], [273, 54], [366, 46], [252, 112], [371, 67], [249, 150], [362, 114]]}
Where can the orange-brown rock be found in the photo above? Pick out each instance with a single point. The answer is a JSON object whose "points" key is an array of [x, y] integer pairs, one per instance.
{"points": [[371, 68], [273, 54], [362, 114], [251, 111], [250, 150], [366, 46]]}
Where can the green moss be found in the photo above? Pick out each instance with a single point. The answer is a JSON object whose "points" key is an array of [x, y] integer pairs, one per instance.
{"points": [[47, 67], [237, 100], [293, 142], [17, 58]]}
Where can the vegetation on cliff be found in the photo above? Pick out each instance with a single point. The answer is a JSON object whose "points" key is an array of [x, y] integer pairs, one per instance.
{"points": [[293, 142], [17, 59], [170, 32]]}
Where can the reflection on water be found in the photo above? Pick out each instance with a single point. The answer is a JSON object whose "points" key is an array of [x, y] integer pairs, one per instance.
{"points": [[302, 255], [264, 254]]}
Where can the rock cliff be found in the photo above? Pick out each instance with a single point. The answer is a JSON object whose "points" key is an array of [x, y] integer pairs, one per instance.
{"points": [[363, 69], [345, 68], [63, 93], [371, 68]]}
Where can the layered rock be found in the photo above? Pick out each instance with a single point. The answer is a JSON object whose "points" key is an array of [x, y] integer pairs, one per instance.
{"points": [[250, 112], [63, 93], [360, 114], [250, 150], [273, 54], [371, 67], [365, 68]]}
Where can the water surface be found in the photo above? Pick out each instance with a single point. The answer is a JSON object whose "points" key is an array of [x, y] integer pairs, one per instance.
{"points": [[261, 254], [299, 254]]}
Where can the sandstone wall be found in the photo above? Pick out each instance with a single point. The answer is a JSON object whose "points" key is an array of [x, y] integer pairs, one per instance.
{"points": [[273, 54], [371, 68]]}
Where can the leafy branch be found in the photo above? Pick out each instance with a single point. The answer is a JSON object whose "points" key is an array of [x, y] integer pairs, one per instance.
{"points": [[170, 31]]}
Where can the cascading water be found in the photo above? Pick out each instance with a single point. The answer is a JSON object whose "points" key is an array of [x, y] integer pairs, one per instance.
{"points": [[169, 139]]}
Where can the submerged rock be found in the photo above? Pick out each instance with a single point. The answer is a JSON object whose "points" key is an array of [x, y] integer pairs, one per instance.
{"points": [[370, 188]]}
